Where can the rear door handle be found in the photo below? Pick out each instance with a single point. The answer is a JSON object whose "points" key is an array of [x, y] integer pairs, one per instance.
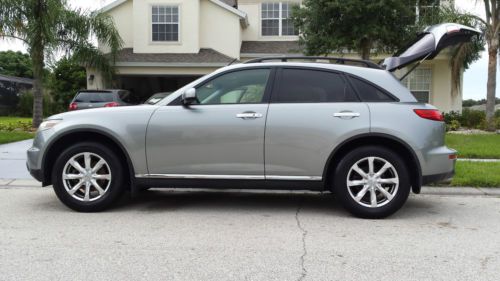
{"points": [[346, 114], [249, 115]]}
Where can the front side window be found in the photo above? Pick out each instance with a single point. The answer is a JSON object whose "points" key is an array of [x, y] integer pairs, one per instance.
{"points": [[419, 83], [313, 86], [245, 86], [165, 23], [276, 19]]}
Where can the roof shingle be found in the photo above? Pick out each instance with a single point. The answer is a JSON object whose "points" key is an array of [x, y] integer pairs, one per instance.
{"points": [[204, 56], [271, 47]]}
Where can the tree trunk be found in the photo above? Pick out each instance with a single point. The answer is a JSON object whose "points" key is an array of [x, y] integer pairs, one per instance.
{"points": [[37, 57], [491, 86], [366, 47]]}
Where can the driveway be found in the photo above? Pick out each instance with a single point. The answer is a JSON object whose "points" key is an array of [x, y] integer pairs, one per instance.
{"points": [[235, 235], [13, 160]]}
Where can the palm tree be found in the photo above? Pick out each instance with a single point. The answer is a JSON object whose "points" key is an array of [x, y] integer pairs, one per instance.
{"points": [[461, 55], [492, 29], [49, 27]]}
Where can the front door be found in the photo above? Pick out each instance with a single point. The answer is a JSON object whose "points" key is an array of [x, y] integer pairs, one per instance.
{"points": [[219, 137]]}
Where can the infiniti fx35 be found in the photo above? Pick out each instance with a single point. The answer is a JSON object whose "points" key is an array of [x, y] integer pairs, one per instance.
{"points": [[349, 127]]}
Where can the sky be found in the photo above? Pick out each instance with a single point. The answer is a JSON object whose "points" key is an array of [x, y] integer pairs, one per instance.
{"points": [[474, 78]]}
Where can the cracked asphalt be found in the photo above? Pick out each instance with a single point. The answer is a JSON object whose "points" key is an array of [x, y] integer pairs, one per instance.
{"points": [[235, 235]]}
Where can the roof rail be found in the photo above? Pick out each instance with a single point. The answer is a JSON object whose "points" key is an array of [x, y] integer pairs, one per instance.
{"points": [[334, 60]]}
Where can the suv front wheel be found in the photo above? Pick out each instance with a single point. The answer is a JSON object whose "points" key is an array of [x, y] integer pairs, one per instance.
{"points": [[371, 182], [88, 177]]}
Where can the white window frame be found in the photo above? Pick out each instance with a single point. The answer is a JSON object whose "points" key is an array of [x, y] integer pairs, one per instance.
{"points": [[411, 78], [280, 18], [171, 22]]}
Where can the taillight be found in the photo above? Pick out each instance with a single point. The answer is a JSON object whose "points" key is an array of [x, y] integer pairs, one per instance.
{"points": [[431, 114], [112, 104], [73, 106]]}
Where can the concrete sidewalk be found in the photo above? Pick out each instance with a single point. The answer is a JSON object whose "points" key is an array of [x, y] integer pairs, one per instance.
{"points": [[13, 160]]}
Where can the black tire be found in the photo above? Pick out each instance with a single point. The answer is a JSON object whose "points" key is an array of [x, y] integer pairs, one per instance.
{"points": [[341, 176], [114, 190]]}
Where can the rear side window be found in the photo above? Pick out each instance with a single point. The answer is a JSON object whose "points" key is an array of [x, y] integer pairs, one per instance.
{"points": [[369, 93], [313, 86], [94, 97]]}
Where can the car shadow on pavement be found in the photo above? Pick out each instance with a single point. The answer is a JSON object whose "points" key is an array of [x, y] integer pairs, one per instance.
{"points": [[158, 200]]}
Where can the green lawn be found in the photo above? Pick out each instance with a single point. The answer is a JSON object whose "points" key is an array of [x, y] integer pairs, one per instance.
{"points": [[475, 146], [13, 120], [6, 137], [11, 130], [477, 174]]}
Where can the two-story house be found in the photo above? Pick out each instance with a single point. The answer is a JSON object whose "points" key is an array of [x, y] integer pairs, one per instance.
{"points": [[169, 43]]}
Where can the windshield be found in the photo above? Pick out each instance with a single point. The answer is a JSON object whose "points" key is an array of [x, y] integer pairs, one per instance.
{"points": [[94, 97]]}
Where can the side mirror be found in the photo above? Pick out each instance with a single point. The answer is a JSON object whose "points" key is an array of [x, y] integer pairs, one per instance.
{"points": [[189, 96]]}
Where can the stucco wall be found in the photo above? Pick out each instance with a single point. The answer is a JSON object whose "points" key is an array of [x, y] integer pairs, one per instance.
{"points": [[220, 29], [253, 31], [122, 15], [441, 95], [189, 23]]}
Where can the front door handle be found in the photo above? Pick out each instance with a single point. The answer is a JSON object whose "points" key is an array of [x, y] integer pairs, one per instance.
{"points": [[346, 114], [249, 115]]}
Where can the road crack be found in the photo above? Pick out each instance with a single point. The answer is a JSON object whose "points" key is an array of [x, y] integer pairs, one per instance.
{"points": [[304, 248]]}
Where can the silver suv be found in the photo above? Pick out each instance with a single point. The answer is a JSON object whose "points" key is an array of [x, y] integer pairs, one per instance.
{"points": [[349, 127]]}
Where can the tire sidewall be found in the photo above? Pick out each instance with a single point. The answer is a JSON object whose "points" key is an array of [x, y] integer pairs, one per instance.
{"points": [[114, 190], [342, 192]]}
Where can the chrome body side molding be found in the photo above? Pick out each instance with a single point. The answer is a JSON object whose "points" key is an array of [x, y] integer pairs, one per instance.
{"points": [[229, 177]]}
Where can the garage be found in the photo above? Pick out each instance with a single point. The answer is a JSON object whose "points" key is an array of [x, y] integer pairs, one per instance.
{"points": [[144, 86]]}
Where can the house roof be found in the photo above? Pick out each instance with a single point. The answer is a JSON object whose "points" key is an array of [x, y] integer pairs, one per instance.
{"points": [[270, 47], [226, 4], [205, 57], [14, 79]]}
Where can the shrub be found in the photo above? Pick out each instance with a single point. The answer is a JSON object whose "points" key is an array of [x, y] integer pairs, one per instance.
{"points": [[473, 119], [453, 125], [25, 105]]}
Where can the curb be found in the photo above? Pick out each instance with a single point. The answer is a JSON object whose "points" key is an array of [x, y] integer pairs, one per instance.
{"points": [[461, 191], [477, 160]]}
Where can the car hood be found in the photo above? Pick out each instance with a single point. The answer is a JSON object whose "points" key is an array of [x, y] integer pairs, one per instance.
{"points": [[104, 112]]}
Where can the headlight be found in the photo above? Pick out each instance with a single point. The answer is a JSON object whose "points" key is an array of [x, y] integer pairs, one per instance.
{"points": [[49, 124]]}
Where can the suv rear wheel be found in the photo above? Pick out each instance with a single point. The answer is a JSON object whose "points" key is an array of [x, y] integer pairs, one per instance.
{"points": [[372, 182], [88, 177]]}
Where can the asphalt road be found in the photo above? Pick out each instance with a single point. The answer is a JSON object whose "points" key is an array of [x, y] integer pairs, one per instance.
{"points": [[199, 235]]}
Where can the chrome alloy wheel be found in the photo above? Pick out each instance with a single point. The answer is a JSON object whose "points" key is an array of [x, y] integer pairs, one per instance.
{"points": [[372, 182], [86, 176]]}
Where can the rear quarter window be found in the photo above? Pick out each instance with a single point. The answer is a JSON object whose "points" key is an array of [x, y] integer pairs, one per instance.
{"points": [[370, 93]]}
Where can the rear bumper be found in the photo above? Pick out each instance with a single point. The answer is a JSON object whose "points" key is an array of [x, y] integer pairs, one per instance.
{"points": [[443, 177]]}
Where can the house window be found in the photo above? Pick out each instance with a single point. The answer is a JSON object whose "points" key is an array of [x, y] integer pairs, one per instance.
{"points": [[165, 23], [276, 19], [419, 83]]}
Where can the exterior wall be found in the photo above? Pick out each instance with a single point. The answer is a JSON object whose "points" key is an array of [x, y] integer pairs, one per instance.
{"points": [[189, 23], [441, 96], [220, 29], [97, 83], [253, 31], [122, 15]]}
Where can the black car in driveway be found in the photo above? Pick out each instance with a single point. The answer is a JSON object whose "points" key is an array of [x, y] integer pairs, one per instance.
{"points": [[86, 99]]}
